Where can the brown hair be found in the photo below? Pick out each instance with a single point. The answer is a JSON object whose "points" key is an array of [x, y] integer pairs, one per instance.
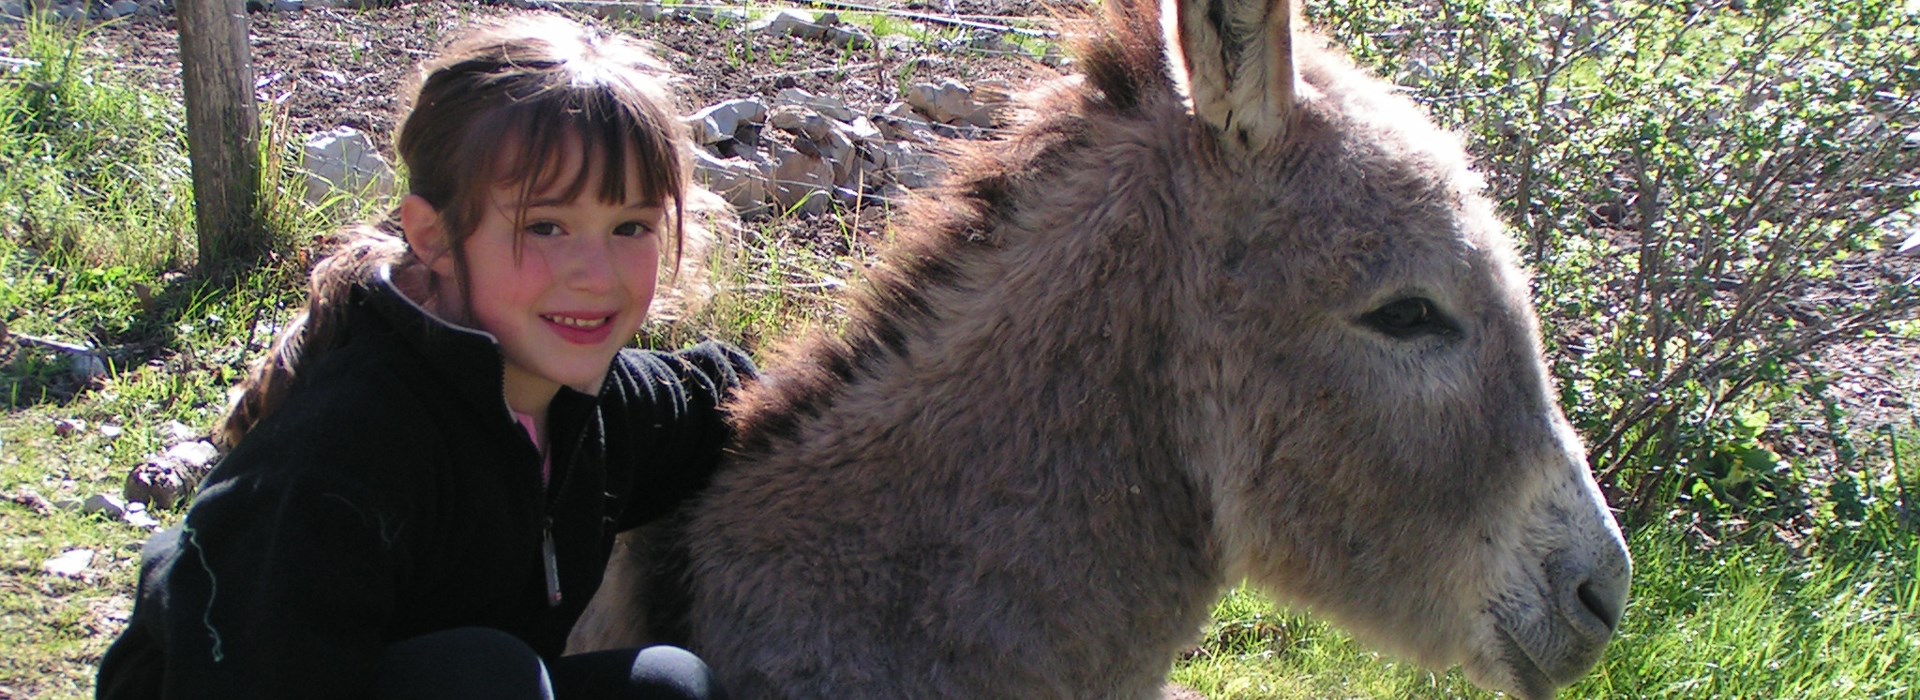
{"points": [[496, 107]]}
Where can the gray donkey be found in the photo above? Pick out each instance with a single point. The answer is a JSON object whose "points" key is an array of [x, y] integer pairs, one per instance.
{"points": [[1225, 309]]}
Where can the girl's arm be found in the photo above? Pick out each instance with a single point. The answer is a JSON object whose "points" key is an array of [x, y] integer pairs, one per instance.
{"points": [[670, 424], [285, 574]]}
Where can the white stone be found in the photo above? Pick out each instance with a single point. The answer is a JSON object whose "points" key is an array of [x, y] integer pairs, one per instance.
{"points": [[195, 454], [862, 130], [108, 505], [72, 563], [137, 517], [175, 432], [343, 161]]}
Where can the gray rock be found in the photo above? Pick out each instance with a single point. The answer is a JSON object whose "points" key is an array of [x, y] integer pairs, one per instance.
{"points": [[12, 11], [105, 504], [992, 42], [87, 366], [950, 102], [829, 107], [722, 121], [839, 150], [797, 175], [789, 22], [803, 121], [848, 38], [898, 122], [913, 167], [118, 9], [713, 14], [343, 161], [289, 5], [737, 180], [899, 43], [196, 454]]}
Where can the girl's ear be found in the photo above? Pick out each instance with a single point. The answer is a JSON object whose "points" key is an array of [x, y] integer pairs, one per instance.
{"points": [[426, 234]]}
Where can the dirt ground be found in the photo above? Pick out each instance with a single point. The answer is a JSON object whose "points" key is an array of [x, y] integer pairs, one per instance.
{"points": [[327, 68]]}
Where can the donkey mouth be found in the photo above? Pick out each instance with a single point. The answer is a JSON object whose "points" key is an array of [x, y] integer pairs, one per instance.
{"points": [[1529, 679]]}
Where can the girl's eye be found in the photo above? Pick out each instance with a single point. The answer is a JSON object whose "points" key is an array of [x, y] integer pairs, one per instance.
{"points": [[633, 228], [544, 229]]}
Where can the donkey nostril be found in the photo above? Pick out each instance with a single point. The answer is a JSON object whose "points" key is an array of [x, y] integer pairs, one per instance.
{"points": [[1600, 604]]}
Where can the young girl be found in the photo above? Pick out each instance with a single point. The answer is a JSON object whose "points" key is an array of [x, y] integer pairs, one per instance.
{"points": [[427, 472]]}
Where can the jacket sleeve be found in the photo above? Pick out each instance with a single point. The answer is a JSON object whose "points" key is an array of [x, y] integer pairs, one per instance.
{"points": [[284, 580], [672, 428]]}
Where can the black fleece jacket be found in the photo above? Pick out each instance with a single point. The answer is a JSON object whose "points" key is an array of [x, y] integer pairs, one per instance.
{"points": [[393, 495]]}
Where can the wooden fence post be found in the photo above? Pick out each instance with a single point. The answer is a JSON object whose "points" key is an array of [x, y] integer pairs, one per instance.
{"points": [[223, 128]]}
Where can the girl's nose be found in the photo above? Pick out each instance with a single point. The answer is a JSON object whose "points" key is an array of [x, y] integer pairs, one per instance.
{"points": [[590, 268]]}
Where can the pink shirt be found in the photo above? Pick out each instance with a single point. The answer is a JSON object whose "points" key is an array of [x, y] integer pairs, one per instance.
{"points": [[546, 460]]}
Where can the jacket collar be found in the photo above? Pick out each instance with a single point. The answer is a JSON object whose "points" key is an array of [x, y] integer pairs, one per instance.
{"points": [[467, 359]]}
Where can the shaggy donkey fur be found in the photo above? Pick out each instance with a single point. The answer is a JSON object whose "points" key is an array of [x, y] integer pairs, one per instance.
{"points": [[1228, 309]]}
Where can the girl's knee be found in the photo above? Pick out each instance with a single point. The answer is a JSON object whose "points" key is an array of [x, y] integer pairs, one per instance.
{"points": [[468, 662], [671, 673]]}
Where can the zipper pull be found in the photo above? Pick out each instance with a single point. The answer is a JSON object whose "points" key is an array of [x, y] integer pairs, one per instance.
{"points": [[553, 566]]}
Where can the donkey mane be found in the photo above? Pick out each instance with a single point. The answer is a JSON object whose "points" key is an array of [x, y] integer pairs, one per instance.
{"points": [[1124, 74]]}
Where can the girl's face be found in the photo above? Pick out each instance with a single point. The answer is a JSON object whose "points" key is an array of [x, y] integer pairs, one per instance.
{"points": [[565, 289]]}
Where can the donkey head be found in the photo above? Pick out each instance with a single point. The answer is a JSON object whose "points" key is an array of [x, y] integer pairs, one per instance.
{"points": [[1393, 455]]}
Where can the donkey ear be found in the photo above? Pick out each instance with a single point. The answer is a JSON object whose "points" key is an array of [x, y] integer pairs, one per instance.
{"points": [[1238, 61]]}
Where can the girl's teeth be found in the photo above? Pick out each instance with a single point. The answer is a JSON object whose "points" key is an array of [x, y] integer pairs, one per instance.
{"points": [[578, 322]]}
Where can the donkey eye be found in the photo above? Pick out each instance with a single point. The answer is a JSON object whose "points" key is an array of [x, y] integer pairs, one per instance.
{"points": [[1408, 317]]}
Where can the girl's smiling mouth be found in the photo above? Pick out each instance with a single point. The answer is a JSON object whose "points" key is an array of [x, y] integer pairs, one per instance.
{"points": [[580, 330]]}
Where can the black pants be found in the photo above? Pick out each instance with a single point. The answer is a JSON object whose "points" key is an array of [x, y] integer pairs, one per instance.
{"points": [[479, 663]]}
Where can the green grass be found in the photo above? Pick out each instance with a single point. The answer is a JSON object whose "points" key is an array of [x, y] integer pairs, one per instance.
{"points": [[1732, 621], [92, 168], [95, 239]]}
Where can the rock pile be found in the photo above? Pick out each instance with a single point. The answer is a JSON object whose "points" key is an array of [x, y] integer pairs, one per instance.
{"points": [[795, 154], [802, 151]]}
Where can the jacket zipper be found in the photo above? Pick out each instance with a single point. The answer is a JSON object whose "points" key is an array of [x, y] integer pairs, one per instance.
{"points": [[548, 559], [553, 563]]}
